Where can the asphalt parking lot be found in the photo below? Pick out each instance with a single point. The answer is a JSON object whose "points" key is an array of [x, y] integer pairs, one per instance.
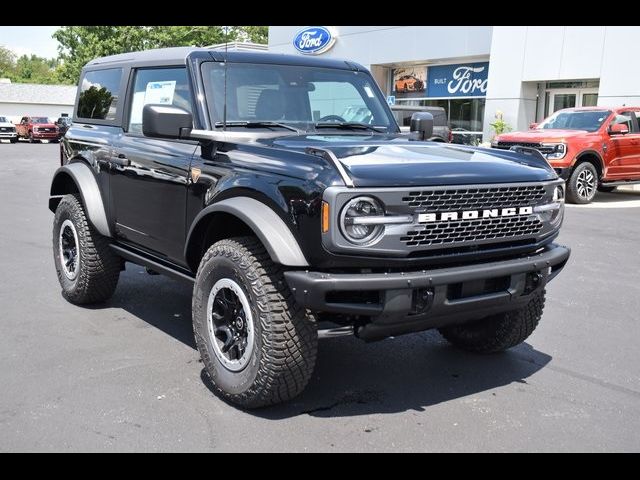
{"points": [[126, 376]]}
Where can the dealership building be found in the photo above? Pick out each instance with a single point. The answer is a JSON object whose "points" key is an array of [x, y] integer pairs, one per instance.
{"points": [[21, 99], [475, 72]]}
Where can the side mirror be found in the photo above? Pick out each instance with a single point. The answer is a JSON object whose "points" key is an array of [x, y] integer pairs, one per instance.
{"points": [[533, 126], [166, 121], [618, 129], [421, 126]]}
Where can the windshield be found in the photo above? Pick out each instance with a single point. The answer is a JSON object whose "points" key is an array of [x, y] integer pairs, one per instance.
{"points": [[39, 120], [589, 120], [300, 97]]}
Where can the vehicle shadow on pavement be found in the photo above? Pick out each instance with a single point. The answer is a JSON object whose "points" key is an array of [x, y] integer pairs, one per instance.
{"points": [[160, 301], [412, 372], [351, 378], [616, 196]]}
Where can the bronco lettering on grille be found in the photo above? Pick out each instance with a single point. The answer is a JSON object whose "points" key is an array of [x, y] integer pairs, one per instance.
{"points": [[474, 214]]}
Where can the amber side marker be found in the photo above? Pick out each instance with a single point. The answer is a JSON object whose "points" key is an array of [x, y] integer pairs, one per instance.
{"points": [[325, 217]]}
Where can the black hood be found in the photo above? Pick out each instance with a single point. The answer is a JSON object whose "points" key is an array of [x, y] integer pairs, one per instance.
{"points": [[391, 161]]}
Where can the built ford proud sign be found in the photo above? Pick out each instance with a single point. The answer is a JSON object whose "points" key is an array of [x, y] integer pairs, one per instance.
{"points": [[314, 40], [460, 80]]}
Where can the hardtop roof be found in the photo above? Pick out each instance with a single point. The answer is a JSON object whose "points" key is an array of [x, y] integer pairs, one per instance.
{"points": [[179, 56]]}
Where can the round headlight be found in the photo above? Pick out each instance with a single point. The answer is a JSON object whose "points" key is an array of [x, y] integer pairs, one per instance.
{"points": [[353, 220]]}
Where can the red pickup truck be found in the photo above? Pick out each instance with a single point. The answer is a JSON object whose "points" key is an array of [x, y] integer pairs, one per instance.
{"points": [[37, 128], [592, 148]]}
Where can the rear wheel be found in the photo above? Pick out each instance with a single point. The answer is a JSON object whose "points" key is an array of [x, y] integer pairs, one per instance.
{"points": [[257, 346], [497, 332], [582, 184], [87, 269]]}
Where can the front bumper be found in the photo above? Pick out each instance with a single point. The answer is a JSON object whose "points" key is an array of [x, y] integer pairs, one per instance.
{"points": [[45, 135], [414, 301]]}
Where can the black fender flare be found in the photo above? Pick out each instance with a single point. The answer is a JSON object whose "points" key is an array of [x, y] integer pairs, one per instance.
{"points": [[595, 154], [86, 184], [274, 234]]}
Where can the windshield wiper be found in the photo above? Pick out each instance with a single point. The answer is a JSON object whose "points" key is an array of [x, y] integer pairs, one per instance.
{"points": [[348, 125], [259, 125]]}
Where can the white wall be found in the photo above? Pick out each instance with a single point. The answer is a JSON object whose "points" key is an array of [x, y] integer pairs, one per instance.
{"points": [[523, 56], [15, 111], [370, 45]]}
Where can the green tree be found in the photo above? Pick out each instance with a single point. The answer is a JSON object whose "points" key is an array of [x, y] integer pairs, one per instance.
{"points": [[7, 62], [80, 44], [35, 69]]}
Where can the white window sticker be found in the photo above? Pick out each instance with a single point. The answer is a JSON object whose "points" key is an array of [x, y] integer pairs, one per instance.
{"points": [[160, 92], [369, 91]]}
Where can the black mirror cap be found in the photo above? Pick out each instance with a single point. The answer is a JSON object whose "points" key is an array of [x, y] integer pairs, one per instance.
{"points": [[422, 125], [166, 121]]}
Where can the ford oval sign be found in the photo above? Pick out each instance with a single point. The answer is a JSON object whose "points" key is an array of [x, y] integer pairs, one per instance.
{"points": [[314, 40]]}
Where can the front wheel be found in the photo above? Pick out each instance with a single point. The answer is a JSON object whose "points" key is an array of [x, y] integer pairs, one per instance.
{"points": [[257, 345], [582, 184], [14, 140], [87, 269], [497, 332]]}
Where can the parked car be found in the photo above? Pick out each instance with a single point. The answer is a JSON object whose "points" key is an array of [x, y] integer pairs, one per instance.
{"points": [[408, 83], [592, 148], [7, 130], [37, 128], [293, 228], [63, 124], [441, 130]]}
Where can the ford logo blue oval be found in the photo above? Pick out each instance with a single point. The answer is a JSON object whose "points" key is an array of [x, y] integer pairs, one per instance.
{"points": [[313, 40]]}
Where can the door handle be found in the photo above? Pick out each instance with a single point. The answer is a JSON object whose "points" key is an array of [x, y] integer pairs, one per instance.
{"points": [[120, 160]]}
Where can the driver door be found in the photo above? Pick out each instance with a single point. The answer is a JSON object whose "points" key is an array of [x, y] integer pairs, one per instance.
{"points": [[624, 150]]}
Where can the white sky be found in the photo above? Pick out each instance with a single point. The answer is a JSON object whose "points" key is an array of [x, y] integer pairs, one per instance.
{"points": [[30, 40]]}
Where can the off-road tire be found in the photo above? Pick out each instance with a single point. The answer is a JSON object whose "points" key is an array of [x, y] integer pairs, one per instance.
{"points": [[497, 332], [572, 183], [605, 189], [285, 338], [31, 139], [98, 267], [14, 140]]}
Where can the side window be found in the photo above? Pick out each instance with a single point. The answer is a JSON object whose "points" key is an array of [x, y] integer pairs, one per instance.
{"points": [[99, 92], [637, 115], [626, 119], [164, 86]]}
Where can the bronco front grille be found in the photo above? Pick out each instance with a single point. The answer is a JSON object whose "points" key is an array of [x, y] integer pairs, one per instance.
{"points": [[475, 198], [471, 230]]}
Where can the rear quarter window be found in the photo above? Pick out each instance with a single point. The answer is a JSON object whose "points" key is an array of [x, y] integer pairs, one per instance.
{"points": [[99, 94]]}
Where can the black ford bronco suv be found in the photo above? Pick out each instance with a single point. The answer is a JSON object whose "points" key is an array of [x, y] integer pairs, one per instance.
{"points": [[282, 188]]}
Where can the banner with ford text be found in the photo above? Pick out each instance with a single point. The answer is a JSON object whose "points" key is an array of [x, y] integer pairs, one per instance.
{"points": [[459, 80]]}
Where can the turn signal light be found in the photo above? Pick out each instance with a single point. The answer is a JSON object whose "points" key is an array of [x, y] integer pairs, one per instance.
{"points": [[325, 217]]}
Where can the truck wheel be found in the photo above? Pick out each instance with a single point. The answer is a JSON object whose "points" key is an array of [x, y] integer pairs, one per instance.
{"points": [[497, 332], [582, 184], [14, 140], [88, 270], [257, 346], [31, 139]]}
